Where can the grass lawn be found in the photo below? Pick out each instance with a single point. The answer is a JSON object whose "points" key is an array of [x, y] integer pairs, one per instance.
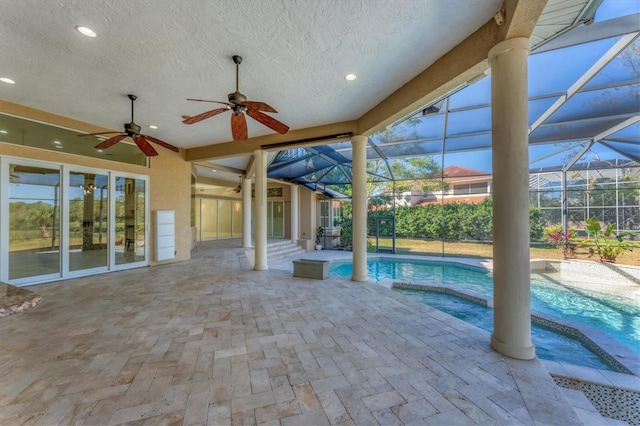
{"points": [[412, 246]]}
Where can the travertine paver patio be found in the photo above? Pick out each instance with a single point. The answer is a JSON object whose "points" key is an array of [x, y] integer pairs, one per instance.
{"points": [[209, 341]]}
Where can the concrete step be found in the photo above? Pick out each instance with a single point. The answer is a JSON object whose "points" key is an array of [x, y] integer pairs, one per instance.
{"points": [[282, 249]]}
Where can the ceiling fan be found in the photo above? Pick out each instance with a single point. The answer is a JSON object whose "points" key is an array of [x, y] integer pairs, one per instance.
{"points": [[238, 188], [239, 105], [132, 130]]}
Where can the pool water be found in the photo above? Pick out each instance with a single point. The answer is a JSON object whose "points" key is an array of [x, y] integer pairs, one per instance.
{"points": [[550, 344], [613, 315]]}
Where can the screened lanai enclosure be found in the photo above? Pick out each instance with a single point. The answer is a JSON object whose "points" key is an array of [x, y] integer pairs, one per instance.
{"points": [[430, 174]]}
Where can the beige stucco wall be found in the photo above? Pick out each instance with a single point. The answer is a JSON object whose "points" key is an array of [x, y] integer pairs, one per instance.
{"points": [[307, 201]]}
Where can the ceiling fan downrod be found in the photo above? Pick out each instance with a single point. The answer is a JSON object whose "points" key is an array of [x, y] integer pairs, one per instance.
{"points": [[132, 128]]}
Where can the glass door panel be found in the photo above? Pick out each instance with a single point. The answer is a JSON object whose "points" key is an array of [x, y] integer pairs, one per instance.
{"points": [[208, 219], [130, 225], [275, 218], [237, 218], [34, 221], [224, 218], [88, 221]]}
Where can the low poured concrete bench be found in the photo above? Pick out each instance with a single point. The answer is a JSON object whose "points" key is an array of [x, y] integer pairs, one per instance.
{"points": [[309, 268]]}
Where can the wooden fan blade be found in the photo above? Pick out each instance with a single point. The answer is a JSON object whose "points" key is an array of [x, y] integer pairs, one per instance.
{"points": [[145, 146], [205, 100], [258, 106], [205, 115], [268, 121], [98, 134], [161, 143], [111, 141], [238, 126]]}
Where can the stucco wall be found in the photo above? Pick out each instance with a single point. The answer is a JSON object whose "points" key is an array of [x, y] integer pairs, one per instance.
{"points": [[307, 201]]}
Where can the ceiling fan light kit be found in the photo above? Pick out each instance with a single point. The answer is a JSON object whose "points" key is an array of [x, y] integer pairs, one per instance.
{"points": [[239, 105]]}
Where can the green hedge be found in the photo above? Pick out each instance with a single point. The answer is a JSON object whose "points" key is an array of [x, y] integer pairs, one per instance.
{"points": [[456, 221]]}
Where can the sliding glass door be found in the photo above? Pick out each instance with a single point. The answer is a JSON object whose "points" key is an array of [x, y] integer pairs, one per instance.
{"points": [[130, 220], [33, 221], [88, 221], [60, 221]]}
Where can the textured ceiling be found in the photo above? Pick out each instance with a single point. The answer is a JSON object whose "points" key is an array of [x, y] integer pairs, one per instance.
{"points": [[296, 54]]}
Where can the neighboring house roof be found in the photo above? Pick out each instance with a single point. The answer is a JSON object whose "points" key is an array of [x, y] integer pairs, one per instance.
{"points": [[459, 174]]}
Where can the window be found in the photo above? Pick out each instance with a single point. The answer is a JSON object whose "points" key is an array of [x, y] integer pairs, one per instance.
{"points": [[324, 214]]}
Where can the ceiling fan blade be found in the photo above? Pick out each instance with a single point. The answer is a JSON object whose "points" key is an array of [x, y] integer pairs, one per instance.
{"points": [[238, 126], [145, 146], [205, 115], [98, 134], [258, 106], [161, 143], [111, 141], [205, 100], [268, 121]]}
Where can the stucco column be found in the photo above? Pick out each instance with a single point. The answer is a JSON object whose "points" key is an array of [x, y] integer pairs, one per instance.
{"points": [[511, 271], [359, 202], [246, 212], [294, 213], [261, 210]]}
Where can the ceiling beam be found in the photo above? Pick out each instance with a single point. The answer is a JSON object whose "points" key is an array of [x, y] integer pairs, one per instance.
{"points": [[235, 148], [251, 168], [220, 167]]}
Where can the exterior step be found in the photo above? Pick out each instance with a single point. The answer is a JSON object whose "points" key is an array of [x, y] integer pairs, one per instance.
{"points": [[282, 249]]}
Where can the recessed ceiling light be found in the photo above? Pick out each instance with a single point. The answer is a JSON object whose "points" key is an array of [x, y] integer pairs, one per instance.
{"points": [[57, 142], [59, 146], [85, 31], [153, 127], [99, 150], [3, 131], [7, 80], [350, 77]]}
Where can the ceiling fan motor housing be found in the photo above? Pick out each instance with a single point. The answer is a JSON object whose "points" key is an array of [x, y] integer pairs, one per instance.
{"points": [[131, 128], [236, 97]]}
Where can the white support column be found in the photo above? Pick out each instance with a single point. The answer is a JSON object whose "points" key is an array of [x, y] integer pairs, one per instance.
{"points": [[261, 210], [246, 212], [359, 200], [294, 213], [511, 270]]}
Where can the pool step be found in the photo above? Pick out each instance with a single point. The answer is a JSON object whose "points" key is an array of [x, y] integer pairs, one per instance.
{"points": [[585, 410]]}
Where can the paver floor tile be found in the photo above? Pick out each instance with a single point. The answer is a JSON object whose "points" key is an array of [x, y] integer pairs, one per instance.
{"points": [[210, 341]]}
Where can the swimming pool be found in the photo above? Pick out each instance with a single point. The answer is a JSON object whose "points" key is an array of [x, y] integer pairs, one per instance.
{"points": [[611, 314], [550, 344]]}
